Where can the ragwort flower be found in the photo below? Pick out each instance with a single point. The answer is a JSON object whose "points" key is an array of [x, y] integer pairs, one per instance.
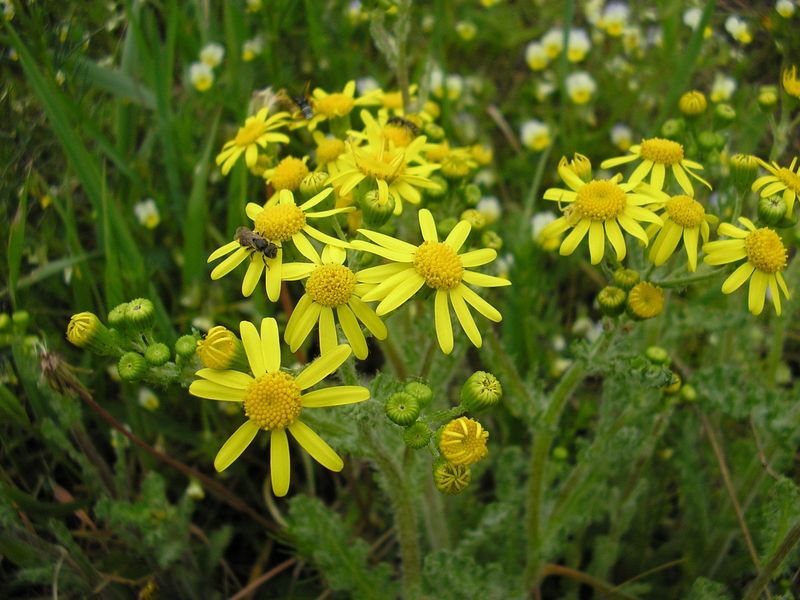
{"points": [[600, 207], [338, 104], [280, 220], [683, 217], [437, 265], [657, 154], [766, 258], [331, 285], [256, 133], [273, 400], [783, 179]]}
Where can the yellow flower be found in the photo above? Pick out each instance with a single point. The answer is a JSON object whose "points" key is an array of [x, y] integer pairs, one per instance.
{"points": [[766, 257], [783, 179], [331, 285], [338, 104], [328, 148], [599, 207], [385, 166], [280, 220], [657, 154], [287, 174], [256, 132], [683, 217], [463, 441], [645, 300], [273, 400], [437, 265]]}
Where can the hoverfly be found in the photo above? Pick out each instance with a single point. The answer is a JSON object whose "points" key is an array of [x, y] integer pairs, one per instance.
{"points": [[250, 239], [405, 123]]}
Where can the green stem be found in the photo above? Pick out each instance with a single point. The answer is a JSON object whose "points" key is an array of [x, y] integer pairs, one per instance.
{"points": [[396, 360], [541, 449], [688, 279], [789, 542], [533, 193]]}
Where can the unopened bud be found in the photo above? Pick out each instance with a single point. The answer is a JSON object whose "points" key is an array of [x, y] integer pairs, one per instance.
{"points": [[157, 354], [417, 435], [85, 330], [612, 300], [481, 391], [376, 211], [132, 366], [402, 408], [449, 478]]}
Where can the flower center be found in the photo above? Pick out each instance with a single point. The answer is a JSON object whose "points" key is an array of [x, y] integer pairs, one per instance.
{"points": [[439, 265], [250, 132], [273, 401], [334, 105], [289, 173], [280, 222], [600, 200], [665, 152], [685, 211], [382, 164], [455, 166], [765, 250], [790, 178], [329, 150], [331, 285], [463, 441]]}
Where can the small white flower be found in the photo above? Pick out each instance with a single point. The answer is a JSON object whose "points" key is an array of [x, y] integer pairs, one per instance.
{"points": [[553, 42], [147, 213], [201, 76], [723, 87], [582, 326], [536, 56], [252, 48], [785, 8], [466, 30], [615, 18], [535, 134], [148, 399], [544, 89], [739, 29], [621, 136], [194, 490], [559, 343], [580, 87], [211, 54], [365, 85], [539, 221], [691, 17], [485, 178], [578, 45], [489, 207], [593, 9]]}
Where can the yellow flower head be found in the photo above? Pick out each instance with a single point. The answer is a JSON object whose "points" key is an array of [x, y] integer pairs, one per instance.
{"points": [[683, 217], [273, 400], [331, 289], [220, 349], [765, 255], [279, 221], [645, 300], [256, 133], [463, 441], [437, 265], [287, 174], [782, 179], [600, 207], [656, 155], [338, 104], [392, 170]]}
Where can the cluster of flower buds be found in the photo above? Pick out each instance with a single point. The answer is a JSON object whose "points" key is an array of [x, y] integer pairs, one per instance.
{"points": [[458, 441], [128, 336], [639, 299]]}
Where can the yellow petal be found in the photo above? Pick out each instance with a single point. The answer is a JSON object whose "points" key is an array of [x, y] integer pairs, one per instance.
{"points": [[323, 366], [215, 391], [304, 317], [401, 293], [328, 340], [230, 263], [574, 237], [316, 446], [597, 242], [223, 250], [737, 278], [254, 270], [389, 242], [270, 344], [369, 318], [444, 330], [334, 396], [228, 378], [465, 318], [280, 467], [427, 226], [476, 258], [458, 235], [352, 331], [481, 305], [757, 292], [236, 444], [273, 276], [615, 237], [482, 280], [252, 347]]}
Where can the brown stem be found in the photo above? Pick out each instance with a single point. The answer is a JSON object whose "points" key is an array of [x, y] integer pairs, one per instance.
{"points": [[256, 583], [601, 586]]}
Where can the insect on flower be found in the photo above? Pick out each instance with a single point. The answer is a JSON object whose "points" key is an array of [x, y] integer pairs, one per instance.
{"points": [[250, 239], [410, 126], [300, 101]]}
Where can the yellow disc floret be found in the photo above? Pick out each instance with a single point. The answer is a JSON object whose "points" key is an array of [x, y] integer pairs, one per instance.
{"points": [[685, 211], [280, 222], [789, 178], [659, 150], [334, 105], [646, 300], [463, 441], [600, 200], [329, 149], [288, 174], [273, 401], [384, 164], [252, 130], [765, 250], [331, 285], [439, 265]]}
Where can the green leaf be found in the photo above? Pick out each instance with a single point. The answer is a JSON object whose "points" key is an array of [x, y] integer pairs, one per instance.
{"points": [[116, 82], [11, 408], [16, 241]]}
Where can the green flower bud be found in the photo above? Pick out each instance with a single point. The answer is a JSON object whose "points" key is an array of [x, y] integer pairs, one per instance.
{"points": [[560, 453], [118, 318], [449, 478], [440, 190], [767, 98], [141, 314], [195, 490], [724, 115], [313, 183], [5, 322], [688, 393], [490, 239], [434, 132], [658, 355], [693, 103], [185, 346], [710, 140], [85, 330], [376, 211], [417, 435], [471, 194], [402, 408], [20, 320], [421, 392], [481, 391], [645, 301], [445, 226], [474, 218], [221, 349], [132, 366], [744, 170], [157, 354], [673, 129], [626, 278], [771, 210], [674, 385], [612, 300]]}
